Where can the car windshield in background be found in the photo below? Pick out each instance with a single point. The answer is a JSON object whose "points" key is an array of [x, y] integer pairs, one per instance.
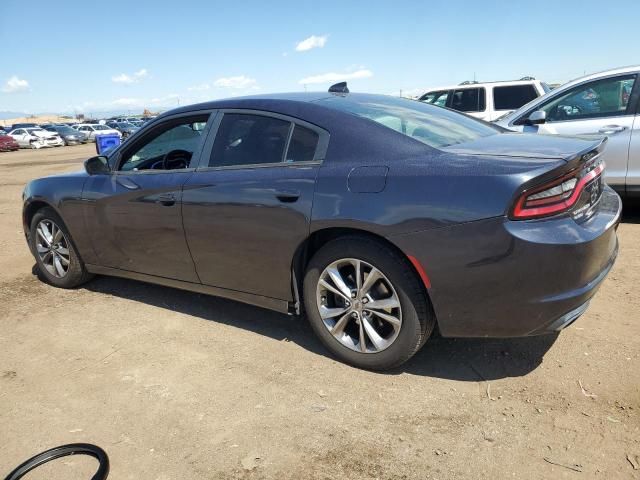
{"points": [[434, 126], [126, 125], [101, 127], [66, 130]]}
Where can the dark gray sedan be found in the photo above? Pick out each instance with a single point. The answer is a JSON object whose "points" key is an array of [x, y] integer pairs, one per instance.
{"points": [[68, 134], [379, 217]]}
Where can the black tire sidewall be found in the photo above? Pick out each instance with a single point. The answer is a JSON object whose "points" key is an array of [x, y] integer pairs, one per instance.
{"points": [[416, 323]]}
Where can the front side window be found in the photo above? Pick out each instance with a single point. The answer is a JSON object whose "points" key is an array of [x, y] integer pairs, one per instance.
{"points": [[436, 127], [598, 99], [170, 147], [245, 139], [512, 97], [438, 98], [468, 100]]}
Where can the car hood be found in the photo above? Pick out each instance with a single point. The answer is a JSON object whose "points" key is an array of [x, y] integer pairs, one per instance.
{"points": [[44, 134], [532, 146]]}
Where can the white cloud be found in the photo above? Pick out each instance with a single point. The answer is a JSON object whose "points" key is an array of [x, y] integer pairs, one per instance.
{"points": [[199, 88], [235, 82], [15, 84], [128, 79], [171, 99], [312, 42], [126, 102], [337, 77]]}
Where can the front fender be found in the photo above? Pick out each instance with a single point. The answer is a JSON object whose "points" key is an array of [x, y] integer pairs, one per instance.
{"points": [[63, 194]]}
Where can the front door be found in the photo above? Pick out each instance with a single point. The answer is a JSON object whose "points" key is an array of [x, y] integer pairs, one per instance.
{"points": [[247, 208], [135, 218], [633, 174]]}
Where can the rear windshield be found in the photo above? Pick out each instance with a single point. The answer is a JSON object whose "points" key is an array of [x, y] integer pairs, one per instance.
{"points": [[434, 126]]}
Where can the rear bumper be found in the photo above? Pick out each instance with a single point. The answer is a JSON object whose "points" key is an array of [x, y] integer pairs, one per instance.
{"points": [[503, 278]]}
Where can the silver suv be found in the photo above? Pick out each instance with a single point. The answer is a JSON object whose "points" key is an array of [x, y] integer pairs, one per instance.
{"points": [[601, 104]]}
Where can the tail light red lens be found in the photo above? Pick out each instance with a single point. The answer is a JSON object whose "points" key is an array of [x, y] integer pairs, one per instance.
{"points": [[554, 197]]}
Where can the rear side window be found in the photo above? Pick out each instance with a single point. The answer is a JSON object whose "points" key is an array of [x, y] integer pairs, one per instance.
{"points": [[469, 100], [249, 140], [303, 144], [433, 126], [512, 97]]}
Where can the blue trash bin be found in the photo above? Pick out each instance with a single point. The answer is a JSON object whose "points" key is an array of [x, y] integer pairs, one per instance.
{"points": [[106, 142]]}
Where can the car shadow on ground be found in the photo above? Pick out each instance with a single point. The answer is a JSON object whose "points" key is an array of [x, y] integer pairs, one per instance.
{"points": [[631, 211], [457, 359]]}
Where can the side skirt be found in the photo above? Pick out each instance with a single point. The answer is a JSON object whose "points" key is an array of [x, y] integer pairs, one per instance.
{"points": [[281, 306]]}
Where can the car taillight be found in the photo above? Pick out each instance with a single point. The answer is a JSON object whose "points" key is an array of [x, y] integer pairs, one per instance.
{"points": [[556, 196]]}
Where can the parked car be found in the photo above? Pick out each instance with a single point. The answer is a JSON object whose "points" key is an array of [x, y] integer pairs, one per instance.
{"points": [[488, 100], [7, 143], [24, 125], [93, 129], [36, 138], [126, 129], [68, 134], [601, 104], [384, 216]]}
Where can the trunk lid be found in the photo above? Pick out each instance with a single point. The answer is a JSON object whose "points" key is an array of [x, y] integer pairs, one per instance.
{"points": [[530, 146]]}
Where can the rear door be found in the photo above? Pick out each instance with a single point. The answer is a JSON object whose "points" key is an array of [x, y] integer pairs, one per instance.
{"points": [[247, 208], [134, 215], [596, 108]]}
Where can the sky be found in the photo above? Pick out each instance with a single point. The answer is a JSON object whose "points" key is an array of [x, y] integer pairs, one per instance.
{"points": [[113, 55]]}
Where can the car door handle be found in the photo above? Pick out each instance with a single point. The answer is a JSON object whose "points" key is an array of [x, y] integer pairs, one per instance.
{"points": [[127, 183], [287, 196], [610, 129], [166, 199]]}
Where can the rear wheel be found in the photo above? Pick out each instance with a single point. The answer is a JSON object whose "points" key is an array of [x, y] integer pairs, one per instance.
{"points": [[366, 304], [58, 261]]}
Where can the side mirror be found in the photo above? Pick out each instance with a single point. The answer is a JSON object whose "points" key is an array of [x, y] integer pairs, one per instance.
{"points": [[537, 117], [97, 165]]}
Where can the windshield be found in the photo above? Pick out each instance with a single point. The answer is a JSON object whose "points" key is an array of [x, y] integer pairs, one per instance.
{"points": [[101, 127], [434, 126], [35, 130], [125, 125]]}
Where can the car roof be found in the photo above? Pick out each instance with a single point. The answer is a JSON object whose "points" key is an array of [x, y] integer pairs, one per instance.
{"points": [[502, 83], [297, 104], [595, 76]]}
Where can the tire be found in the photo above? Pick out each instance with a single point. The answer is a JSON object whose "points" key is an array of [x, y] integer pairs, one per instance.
{"points": [[400, 285], [75, 273]]}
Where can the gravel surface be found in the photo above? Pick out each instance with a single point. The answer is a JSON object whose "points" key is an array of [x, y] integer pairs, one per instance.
{"points": [[176, 385]]}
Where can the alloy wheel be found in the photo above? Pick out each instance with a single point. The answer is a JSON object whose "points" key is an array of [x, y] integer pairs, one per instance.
{"points": [[52, 247], [359, 305]]}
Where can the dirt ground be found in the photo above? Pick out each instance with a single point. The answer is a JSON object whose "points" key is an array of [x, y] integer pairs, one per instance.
{"points": [[176, 385]]}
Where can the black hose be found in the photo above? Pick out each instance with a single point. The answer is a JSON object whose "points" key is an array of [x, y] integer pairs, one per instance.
{"points": [[63, 451]]}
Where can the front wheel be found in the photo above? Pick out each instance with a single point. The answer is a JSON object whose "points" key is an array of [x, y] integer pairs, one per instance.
{"points": [[58, 261], [366, 304]]}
